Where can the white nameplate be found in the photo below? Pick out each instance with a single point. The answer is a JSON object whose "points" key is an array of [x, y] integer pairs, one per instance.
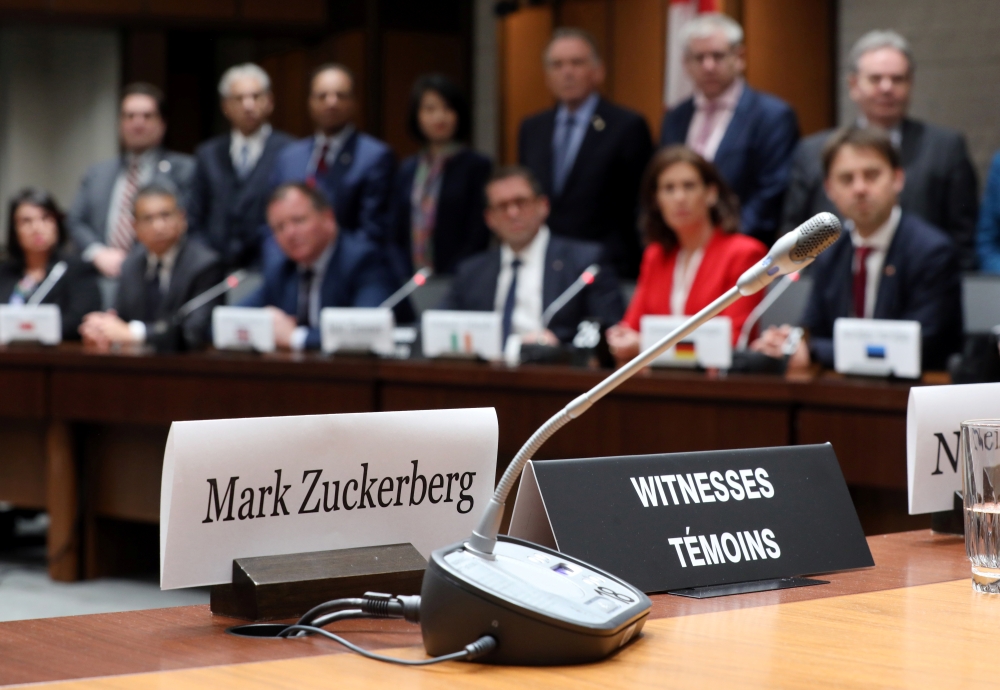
{"points": [[237, 488], [242, 328], [711, 346], [934, 416], [355, 329], [41, 323], [877, 347], [462, 333]]}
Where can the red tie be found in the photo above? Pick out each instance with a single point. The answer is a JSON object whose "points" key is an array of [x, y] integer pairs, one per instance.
{"points": [[860, 280], [320, 166]]}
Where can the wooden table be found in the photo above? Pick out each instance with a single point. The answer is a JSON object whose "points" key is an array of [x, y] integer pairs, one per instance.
{"points": [[82, 434], [911, 621]]}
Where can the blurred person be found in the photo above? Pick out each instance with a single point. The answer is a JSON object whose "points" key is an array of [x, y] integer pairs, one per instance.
{"points": [[165, 269], [748, 135], [323, 267], [890, 264], [437, 199], [37, 232], [941, 183], [695, 253], [988, 232], [532, 267], [587, 152], [100, 222], [230, 189]]}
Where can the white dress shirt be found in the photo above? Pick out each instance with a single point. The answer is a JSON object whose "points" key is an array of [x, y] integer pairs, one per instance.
{"points": [[725, 105], [685, 270], [895, 133], [147, 168], [879, 241], [334, 144], [527, 316], [254, 145], [164, 265], [299, 335]]}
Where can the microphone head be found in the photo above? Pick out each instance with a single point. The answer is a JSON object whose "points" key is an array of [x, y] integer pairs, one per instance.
{"points": [[815, 236]]}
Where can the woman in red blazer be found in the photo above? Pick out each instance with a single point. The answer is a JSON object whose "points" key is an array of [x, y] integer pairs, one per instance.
{"points": [[695, 252]]}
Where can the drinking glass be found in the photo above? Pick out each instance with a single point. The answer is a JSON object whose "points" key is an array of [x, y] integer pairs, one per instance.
{"points": [[980, 448]]}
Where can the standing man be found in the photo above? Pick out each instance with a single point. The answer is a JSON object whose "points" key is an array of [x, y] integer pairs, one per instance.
{"points": [[588, 153], [352, 169], [940, 180], [101, 220], [750, 136], [229, 194]]}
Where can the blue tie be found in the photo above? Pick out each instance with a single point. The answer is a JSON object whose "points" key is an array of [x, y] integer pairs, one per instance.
{"points": [[508, 305], [563, 162]]}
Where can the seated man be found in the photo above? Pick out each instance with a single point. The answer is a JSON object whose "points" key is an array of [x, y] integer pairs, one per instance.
{"points": [[890, 265], [322, 267], [162, 272], [532, 267]]}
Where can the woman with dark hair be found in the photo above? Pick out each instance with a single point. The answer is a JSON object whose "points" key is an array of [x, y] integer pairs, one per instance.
{"points": [[36, 238], [695, 254], [437, 199]]}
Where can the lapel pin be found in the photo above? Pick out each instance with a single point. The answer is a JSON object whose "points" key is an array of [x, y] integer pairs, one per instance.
{"points": [[890, 270], [164, 166], [345, 158], [598, 123], [557, 265]]}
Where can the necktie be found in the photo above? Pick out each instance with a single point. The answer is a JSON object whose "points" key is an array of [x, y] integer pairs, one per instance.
{"points": [[563, 162], [244, 164], [508, 305], [305, 290], [123, 234], [320, 165], [860, 280], [707, 126], [153, 295]]}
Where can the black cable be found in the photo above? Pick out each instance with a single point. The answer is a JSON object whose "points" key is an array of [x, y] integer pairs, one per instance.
{"points": [[323, 621], [484, 645]]}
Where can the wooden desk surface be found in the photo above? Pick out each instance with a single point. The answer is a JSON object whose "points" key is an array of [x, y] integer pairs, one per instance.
{"points": [[185, 638]]}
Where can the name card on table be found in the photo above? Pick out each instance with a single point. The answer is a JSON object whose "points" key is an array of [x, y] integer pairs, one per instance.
{"points": [[934, 415], [242, 328], [877, 347], [668, 522], [237, 488], [357, 329], [40, 323], [711, 346], [461, 333]]}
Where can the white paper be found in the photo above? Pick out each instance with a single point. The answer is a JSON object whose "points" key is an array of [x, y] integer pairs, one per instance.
{"points": [[242, 328], [934, 416], [41, 323], [356, 328], [530, 518], [710, 346], [459, 446]]}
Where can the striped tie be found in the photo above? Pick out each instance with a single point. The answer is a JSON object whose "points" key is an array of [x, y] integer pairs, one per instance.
{"points": [[123, 234]]}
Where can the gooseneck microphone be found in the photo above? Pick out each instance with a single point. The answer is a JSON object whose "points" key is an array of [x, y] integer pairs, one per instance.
{"points": [[765, 304], [409, 287], [586, 278], [217, 290], [50, 281]]}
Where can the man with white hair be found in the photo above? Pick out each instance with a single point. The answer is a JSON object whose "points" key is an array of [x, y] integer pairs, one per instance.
{"points": [[229, 196], [750, 136], [940, 184]]}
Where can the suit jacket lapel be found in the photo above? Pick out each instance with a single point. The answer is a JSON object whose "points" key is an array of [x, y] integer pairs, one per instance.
{"points": [[490, 278], [886, 301], [736, 127], [343, 162], [545, 144], [595, 130], [179, 279], [911, 141], [685, 113], [554, 272], [105, 190]]}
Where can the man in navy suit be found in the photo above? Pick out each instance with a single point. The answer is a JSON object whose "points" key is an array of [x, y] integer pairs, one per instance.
{"points": [[532, 267], [229, 193], [750, 136], [588, 153], [891, 264], [352, 169], [323, 267]]}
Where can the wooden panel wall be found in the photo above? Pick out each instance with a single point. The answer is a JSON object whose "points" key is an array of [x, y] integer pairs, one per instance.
{"points": [[523, 36], [639, 40], [303, 12], [790, 54]]}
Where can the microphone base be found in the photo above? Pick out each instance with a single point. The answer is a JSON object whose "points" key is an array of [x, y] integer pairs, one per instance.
{"points": [[748, 362], [543, 607]]}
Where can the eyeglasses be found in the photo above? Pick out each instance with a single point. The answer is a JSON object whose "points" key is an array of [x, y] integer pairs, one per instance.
{"points": [[520, 204], [700, 58]]}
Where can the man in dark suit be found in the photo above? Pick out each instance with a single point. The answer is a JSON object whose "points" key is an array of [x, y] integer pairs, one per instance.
{"points": [[353, 169], [941, 183], [750, 136], [588, 153], [233, 172], [100, 221], [163, 271], [891, 264], [532, 267], [323, 267]]}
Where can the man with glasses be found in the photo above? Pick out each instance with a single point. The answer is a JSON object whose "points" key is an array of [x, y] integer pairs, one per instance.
{"points": [[750, 136], [532, 267], [230, 187], [587, 152], [940, 180]]}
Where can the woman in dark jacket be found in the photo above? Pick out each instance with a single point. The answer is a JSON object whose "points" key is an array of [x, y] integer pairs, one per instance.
{"points": [[437, 199], [36, 241]]}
